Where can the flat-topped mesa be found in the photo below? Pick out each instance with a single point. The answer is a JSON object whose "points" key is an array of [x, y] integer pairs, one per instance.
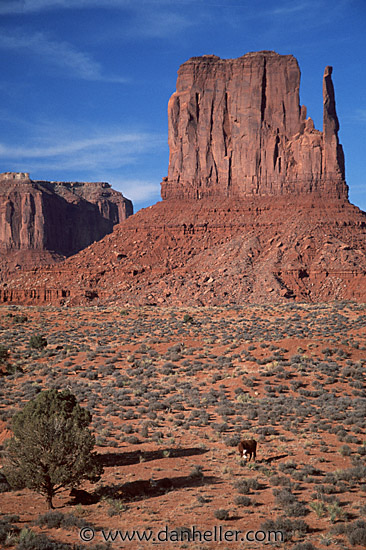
{"points": [[60, 217], [236, 129]]}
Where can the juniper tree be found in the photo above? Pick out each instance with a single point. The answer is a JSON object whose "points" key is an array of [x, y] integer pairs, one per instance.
{"points": [[52, 446]]}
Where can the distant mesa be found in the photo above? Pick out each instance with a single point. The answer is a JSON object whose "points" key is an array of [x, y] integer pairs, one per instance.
{"points": [[236, 129], [255, 205], [54, 216]]}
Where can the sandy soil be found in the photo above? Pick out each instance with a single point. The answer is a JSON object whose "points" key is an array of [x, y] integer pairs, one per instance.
{"points": [[172, 391]]}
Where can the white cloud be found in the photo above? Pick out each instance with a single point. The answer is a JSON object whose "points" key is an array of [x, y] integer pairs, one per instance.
{"points": [[360, 115], [138, 190], [84, 152], [59, 54], [150, 18], [34, 6], [291, 7], [74, 147], [154, 23], [88, 150]]}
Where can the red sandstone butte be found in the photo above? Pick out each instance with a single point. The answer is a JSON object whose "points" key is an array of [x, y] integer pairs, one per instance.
{"points": [[42, 219], [236, 129], [255, 204]]}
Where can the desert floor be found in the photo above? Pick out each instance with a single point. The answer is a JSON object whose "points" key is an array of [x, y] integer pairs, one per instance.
{"points": [[172, 392]]}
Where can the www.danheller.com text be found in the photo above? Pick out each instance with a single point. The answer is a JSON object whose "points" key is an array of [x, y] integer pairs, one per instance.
{"points": [[184, 534]]}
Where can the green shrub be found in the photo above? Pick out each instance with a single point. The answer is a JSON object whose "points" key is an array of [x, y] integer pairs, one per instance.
{"points": [[196, 472], [221, 514], [7, 529], [356, 533], [56, 519], [242, 500], [287, 526], [4, 353], [188, 319], [345, 450], [37, 341], [318, 507]]}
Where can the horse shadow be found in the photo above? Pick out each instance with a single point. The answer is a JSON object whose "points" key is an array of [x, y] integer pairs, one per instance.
{"points": [[271, 459]]}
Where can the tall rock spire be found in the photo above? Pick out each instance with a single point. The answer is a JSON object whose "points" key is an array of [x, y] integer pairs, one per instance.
{"points": [[333, 159]]}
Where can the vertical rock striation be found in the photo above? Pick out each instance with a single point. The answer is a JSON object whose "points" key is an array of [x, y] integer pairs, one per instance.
{"points": [[56, 216], [236, 129]]}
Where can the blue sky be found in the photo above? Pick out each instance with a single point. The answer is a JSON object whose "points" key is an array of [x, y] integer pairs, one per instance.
{"points": [[85, 83]]}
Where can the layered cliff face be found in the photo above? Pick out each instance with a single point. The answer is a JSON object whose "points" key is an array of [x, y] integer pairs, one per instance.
{"points": [[55, 216], [236, 129]]}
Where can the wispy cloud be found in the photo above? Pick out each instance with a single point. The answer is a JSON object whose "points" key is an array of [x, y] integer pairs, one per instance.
{"points": [[360, 115], [88, 150], [150, 18], [157, 23], [74, 147], [138, 190], [57, 54], [33, 6], [288, 8]]}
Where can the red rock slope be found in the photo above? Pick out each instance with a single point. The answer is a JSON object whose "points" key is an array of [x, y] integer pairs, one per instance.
{"points": [[255, 204], [41, 221]]}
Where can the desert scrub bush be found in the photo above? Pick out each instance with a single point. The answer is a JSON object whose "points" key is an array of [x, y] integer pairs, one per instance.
{"points": [[196, 472], [221, 514], [354, 474], [56, 520], [188, 319], [244, 486], [284, 497], [132, 440], [287, 467], [284, 481], [115, 506], [296, 509], [220, 428], [243, 500], [345, 450], [4, 353], [8, 531], [232, 441], [304, 546], [356, 533], [37, 341], [289, 528], [334, 512], [18, 319], [28, 540]]}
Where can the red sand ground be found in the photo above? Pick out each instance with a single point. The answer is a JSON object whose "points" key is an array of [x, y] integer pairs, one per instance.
{"points": [[106, 355]]}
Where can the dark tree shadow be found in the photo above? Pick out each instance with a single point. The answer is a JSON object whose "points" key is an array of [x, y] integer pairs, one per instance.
{"points": [[141, 489], [79, 496], [134, 457]]}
